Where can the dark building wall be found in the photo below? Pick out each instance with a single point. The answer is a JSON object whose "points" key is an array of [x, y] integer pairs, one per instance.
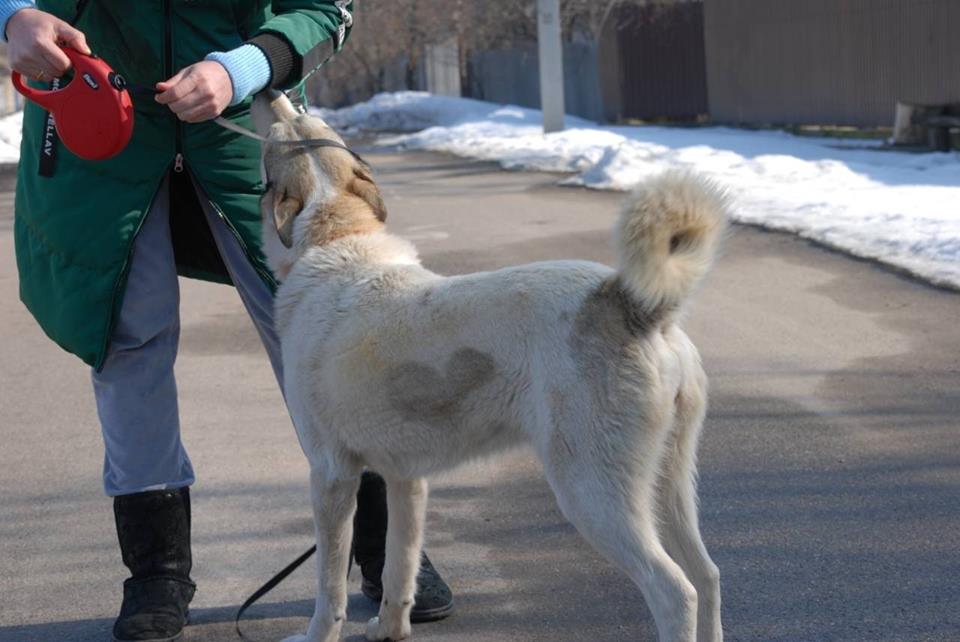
{"points": [[844, 62], [652, 62]]}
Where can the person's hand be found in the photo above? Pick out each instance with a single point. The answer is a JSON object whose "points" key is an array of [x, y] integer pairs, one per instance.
{"points": [[198, 92], [34, 38]]}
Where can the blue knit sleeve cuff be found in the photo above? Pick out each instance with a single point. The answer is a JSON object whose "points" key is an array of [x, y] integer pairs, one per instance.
{"points": [[8, 8], [248, 67]]}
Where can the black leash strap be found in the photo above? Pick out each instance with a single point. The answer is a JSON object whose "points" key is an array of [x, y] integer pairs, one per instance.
{"points": [[270, 585], [50, 143], [276, 579]]}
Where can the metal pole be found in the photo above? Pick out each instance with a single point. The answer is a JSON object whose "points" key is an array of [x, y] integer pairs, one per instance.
{"points": [[551, 64]]}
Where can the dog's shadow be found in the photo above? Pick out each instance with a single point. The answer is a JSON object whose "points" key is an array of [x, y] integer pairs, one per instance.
{"points": [[263, 622], [271, 620]]}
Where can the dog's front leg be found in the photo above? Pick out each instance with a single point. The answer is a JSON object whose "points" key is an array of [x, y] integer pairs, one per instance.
{"points": [[406, 506], [334, 503]]}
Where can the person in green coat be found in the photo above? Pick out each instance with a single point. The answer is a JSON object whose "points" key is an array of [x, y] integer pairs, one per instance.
{"points": [[100, 245]]}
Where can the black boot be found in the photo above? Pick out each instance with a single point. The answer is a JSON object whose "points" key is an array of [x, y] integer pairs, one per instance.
{"points": [[433, 600], [154, 532]]}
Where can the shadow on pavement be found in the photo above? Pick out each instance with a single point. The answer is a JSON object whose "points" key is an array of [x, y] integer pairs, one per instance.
{"points": [[71, 631]]}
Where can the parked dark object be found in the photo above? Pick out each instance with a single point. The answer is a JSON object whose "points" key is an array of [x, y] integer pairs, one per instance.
{"points": [[926, 125], [938, 131]]}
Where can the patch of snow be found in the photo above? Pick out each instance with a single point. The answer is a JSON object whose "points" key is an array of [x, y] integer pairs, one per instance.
{"points": [[898, 208], [10, 127]]}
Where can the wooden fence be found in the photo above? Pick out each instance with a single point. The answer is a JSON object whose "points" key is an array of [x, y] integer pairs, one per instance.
{"points": [[842, 62], [651, 62]]}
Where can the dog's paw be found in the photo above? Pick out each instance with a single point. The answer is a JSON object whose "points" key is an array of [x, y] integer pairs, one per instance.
{"points": [[380, 632]]}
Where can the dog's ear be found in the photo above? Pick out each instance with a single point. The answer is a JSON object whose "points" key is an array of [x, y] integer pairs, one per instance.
{"points": [[285, 210], [362, 185]]}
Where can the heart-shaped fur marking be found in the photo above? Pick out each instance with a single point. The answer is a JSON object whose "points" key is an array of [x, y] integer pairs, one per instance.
{"points": [[421, 393]]}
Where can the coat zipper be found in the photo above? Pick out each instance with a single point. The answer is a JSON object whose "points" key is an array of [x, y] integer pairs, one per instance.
{"points": [[168, 72], [122, 279], [178, 161], [178, 166], [78, 10], [265, 276]]}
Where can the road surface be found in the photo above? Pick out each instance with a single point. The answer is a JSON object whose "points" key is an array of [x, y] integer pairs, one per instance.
{"points": [[830, 464]]}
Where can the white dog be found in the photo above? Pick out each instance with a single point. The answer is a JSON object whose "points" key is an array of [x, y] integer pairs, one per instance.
{"points": [[390, 366]]}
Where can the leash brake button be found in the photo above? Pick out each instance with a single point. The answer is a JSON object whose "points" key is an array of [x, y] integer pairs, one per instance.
{"points": [[117, 81]]}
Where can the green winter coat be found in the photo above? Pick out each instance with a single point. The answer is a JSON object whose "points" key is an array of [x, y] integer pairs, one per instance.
{"points": [[75, 230]]}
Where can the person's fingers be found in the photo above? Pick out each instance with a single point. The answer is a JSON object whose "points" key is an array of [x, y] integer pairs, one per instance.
{"points": [[55, 61], [68, 35], [185, 104], [34, 67], [200, 113], [176, 87]]}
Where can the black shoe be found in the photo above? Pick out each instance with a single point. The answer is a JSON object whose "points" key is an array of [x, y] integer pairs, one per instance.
{"points": [[154, 532], [433, 599]]}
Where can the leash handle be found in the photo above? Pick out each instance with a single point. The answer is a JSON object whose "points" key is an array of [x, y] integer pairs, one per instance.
{"points": [[270, 585], [48, 99]]}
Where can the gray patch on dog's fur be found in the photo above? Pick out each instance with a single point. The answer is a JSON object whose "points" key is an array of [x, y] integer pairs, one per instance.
{"points": [[421, 393], [606, 329], [609, 312]]}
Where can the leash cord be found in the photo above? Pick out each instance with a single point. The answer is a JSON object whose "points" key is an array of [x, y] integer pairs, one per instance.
{"points": [[143, 91], [275, 580], [269, 586], [306, 142]]}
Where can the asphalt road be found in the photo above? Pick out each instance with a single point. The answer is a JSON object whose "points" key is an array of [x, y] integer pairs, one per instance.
{"points": [[830, 465]]}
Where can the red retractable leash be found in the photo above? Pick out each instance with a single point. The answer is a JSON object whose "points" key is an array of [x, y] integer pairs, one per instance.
{"points": [[93, 114]]}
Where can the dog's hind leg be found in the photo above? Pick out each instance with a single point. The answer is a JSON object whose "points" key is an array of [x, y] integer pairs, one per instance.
{"points": [[334, 503], [406, 507], [677, 498], [611, 508]]}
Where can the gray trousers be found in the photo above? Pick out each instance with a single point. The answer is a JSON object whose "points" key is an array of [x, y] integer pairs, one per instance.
{"points": [[135, 390]]}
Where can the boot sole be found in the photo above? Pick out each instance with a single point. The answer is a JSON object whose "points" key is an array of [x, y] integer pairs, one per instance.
{"points": [[176, 638], [431, 615]]}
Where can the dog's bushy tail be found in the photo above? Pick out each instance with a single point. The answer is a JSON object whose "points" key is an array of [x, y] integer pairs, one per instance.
{"points": [[667, 238]]}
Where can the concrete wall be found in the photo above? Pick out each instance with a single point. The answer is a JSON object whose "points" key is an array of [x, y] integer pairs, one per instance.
{"points": [[441, 69]]}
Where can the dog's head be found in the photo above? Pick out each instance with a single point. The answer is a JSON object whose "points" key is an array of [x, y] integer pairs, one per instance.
{"points": [[314, 195]]}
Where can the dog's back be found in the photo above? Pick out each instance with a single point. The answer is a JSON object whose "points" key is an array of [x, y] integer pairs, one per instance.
{"points": [[422, 371]]}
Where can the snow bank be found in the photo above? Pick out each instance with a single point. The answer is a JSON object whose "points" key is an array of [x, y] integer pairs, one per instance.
{"points": [[10, 127], [898, 208]]}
